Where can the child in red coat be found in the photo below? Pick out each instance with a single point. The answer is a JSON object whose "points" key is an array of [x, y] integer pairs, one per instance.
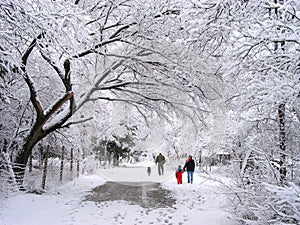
{"points": [[178, 175]]}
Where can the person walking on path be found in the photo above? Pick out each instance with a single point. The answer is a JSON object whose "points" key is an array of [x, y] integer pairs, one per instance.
{"points": [[160, 161], [178, 175], [190, 168]]}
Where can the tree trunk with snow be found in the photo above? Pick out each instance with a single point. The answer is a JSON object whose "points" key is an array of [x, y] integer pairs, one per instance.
{"points": [[282, 144], [36, 134]]}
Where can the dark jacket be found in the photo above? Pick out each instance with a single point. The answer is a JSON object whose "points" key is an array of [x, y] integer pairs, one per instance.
{"points": [[160, 159], [189, 165]]}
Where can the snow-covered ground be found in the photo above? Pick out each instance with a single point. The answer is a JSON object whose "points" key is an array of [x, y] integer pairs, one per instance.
{"points": [[200, 203]]}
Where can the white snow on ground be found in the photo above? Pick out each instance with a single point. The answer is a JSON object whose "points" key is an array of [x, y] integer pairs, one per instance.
{"points": [[199, 203]]}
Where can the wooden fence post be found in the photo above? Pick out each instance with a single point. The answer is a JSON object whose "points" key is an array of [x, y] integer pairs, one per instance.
{"points": [[83, 166], [62, 163], [30, 163], [72, 161], [78, 169], [45, 167]]}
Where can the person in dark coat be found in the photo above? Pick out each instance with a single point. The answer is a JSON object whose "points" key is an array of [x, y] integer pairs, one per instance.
{"points": [[178, 175], [190, 168], [160, 161]]}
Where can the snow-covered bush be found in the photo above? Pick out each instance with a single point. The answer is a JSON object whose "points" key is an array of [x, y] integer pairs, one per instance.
{"points": [[6, 175], [284, 202], [268, 204]]}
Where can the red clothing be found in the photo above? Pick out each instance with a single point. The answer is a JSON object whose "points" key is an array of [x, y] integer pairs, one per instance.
{"points": [[179, 176]]}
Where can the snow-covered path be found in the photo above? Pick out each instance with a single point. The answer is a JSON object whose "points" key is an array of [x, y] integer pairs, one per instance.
{"points": [[196, 204]]}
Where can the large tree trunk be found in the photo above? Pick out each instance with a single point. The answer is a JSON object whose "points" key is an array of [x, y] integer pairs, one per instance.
{"points": [[36, 134], [19, 165]]}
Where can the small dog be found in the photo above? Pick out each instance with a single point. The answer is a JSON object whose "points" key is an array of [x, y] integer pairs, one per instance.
{"points": [[149, 170]]}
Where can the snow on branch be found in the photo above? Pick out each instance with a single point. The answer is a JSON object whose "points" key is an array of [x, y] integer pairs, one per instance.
{"points": [[86, 96], [58, 103], [54, 66], [53, 108], [285, 201], [120, 30], [67, 125], [93, 50], [108, 86], [33, 94]]}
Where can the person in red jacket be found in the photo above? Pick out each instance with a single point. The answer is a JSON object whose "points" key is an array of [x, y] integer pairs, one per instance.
{"points": [[178, 175]]}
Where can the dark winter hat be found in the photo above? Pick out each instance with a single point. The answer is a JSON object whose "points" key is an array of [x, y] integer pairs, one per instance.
{"points": [[179, 166], [190, 156]]}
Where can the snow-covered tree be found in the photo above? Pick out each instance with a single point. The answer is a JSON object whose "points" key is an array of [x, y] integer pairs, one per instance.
{"points": [[261, 84], [68, 55]]}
